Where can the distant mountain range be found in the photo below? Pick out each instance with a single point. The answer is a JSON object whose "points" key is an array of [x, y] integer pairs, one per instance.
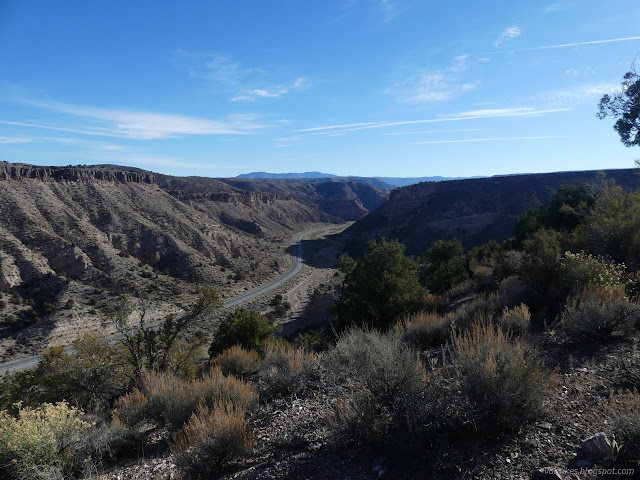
{"points": [[392, 182]]}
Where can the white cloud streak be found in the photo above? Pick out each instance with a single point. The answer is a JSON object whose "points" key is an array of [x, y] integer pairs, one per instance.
{"points": [[561, 45], [509, 33], [495, 139], [143, 125], [469, 115], [15, 140]]}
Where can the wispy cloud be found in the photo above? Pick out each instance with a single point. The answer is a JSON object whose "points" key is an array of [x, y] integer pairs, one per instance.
{"points": [[579, 93], [495, 139], [460, 63], [560, 45], [15, 140], [428, 87], [558, 7], [141, 125], [426, 132], [468, 115], [256, 93], [509, 33], [245, 84]]}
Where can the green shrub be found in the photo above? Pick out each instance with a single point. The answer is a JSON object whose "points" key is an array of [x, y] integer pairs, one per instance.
{"points": [[582, 269], [498, 383], [591, 321], [42, 443], [213, 437], [443, 265], [245, 328], [379, 288]]}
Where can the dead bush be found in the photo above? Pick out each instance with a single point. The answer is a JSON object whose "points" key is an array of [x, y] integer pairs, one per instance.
{"points": [[517, 319], [603, 293], [168, 398], [435, 303], [237, 361], [286, 370], [384, 385], [499, 383], [213, 437], [591, 321], [425, 330], [481, 308], [622, 411]]}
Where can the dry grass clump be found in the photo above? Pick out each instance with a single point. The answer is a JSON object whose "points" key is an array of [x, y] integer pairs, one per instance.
{"points": [[517, 319], [425, 330], [42, 443], [237, 361], [500, 385], [168, 398], [591, 321], [286, 370], [385, 388], [213, 437]]}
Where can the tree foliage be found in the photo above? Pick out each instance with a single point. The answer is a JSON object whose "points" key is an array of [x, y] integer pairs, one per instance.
{"points": [[443, 265], [245, 328], [379, 287], [158, 345], [625, 106], [565, 211]]}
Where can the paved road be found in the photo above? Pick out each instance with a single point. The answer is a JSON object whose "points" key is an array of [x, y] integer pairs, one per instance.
{"points": [[296, 265]]}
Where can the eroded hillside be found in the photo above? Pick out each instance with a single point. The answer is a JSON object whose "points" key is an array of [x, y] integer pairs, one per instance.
{"points": [[72, 238], [472, 210]]}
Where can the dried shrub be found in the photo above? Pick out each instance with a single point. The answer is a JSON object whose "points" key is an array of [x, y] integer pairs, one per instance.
{"points": [[107, 443], [603, 293], [168, 398], [42, 443], [213, 437], [500, 384], [517, 319], [385, 388], [622, 412], [462, 288], [483, 275], [591, 321], [481, 308], [286, 370], [237, 361], [425, 330], [435, 303]]}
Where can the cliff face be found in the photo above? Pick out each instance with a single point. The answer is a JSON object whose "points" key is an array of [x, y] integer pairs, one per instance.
{"points": [[474, 210], [9, 171], [337, 197]]}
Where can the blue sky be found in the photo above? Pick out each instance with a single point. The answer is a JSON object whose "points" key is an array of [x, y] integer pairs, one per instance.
{"points": [[351, 87]]}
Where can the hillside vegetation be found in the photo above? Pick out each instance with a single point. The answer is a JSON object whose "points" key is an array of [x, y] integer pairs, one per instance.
{"points": [[495, 362]]}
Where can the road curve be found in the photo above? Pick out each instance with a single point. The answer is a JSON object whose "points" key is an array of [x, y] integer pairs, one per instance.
{"points": [[296, 265]]}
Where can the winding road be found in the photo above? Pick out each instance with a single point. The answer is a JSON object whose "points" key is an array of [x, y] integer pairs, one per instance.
{"points": [[296, 265]]}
